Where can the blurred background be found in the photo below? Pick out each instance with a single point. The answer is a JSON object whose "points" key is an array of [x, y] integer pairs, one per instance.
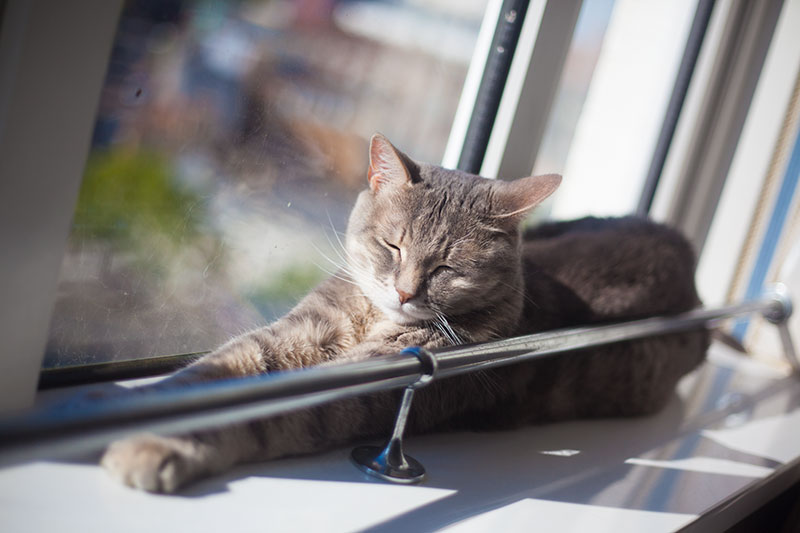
{"points": [[229, 145]]}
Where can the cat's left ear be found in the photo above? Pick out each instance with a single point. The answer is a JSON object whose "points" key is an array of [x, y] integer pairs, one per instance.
{"points": [[515, 199], [386, 165]]}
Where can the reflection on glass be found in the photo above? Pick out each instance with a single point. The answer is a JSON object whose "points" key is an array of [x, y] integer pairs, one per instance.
{"points": [[584, 51], [229, 146], [610, 144]]}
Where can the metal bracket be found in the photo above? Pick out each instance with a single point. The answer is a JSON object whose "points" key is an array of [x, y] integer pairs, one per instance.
{"points": [[389, 462], [779, 315]]}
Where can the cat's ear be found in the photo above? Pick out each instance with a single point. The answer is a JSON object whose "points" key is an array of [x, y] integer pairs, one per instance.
{"points": [[515, 199], [386, 165]]}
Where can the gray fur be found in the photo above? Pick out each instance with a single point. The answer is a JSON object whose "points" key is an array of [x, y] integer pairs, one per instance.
{"points": [[436, 256]]}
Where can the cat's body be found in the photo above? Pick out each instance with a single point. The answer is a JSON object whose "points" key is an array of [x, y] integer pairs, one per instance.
{"points": [[435, 257]]}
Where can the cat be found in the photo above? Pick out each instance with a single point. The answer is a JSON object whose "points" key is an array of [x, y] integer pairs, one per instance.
{"points": [[437, 257]]}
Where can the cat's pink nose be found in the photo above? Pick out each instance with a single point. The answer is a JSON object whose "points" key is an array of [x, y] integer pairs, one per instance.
{"points": [[404, 296]]}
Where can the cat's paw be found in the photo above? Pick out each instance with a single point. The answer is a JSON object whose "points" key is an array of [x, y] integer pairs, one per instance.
{"points": [[152, 463]]}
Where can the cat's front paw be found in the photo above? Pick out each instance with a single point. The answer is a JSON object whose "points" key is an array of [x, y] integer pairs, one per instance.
{"points": [[153, 463]]}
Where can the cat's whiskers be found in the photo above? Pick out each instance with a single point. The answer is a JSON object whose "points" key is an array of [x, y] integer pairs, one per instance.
{"points": [[335, 248], [348, 266], [353, 266], [444, 327], [335, 263], [339, 248], [347, 257], [442, 330], [340, 269], [450, 328], [337, 276]]}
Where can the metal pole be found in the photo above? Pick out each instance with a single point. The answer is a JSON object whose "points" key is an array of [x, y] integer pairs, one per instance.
{"points": [[390, 462], [694, 42], [490, 91], [50, 433]]}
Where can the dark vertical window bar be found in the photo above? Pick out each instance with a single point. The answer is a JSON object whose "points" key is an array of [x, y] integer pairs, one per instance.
{"points": [[697, 34], [490, 90]]}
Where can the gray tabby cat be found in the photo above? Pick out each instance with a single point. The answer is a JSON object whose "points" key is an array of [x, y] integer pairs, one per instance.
{"points": [[436, 256]]}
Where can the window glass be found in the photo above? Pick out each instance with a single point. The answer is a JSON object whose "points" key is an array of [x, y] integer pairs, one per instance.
{"points": [[230, 143], [579, 66], [613, 93]]}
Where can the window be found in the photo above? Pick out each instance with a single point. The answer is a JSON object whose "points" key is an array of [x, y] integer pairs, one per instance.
{"points": [[230, 143], [228, 148], [612, 99]]}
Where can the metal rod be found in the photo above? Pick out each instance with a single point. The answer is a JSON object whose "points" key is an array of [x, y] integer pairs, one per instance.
{"points": [[788, 347], [490, 90], [51, 433], [694, 42], [390, 462], [464, 359], [402, 414]]}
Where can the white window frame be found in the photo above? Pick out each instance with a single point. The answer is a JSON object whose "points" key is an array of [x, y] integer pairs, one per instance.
{"points": [[750, 167], [53, 59]]}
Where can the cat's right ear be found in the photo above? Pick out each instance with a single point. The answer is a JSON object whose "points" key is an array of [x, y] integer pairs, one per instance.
{"points": [[515, 199], [386, 166]]}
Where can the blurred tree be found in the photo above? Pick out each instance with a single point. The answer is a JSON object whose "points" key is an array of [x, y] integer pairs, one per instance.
{"points": [[127, 196]]}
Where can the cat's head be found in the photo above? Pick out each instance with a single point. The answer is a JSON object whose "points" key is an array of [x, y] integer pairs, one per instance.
{"points": [[423, 240]]}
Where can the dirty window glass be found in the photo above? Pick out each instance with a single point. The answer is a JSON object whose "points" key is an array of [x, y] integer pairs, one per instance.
{"points": [[229, 145]]}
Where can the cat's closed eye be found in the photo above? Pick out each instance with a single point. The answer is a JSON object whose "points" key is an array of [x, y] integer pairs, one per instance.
{"points": [[393, 248], [444, 269]]}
